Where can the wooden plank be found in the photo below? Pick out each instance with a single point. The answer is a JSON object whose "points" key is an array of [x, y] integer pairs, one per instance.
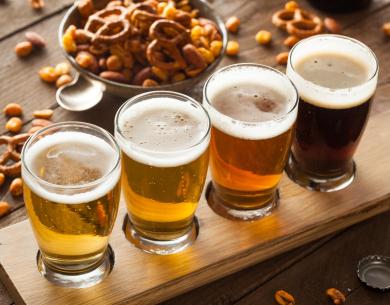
{"points": [[17, 15], [331, 266], [223, 246]]}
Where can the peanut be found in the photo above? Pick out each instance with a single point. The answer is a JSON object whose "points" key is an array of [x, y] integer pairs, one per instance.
{"points": [[216, 47], [232, 48], [35, 39], [37, 4], [291, 6], [2, 179], [232, 24], [160, 73], [284, 298], [63, 80], [113, 76], [43, 114], [62, 68], [13, 109], [41, 122], [14, 124], [23, 49], [114, 63], [149, 83], [386, 28], [16, 187], [290, 41], [336, 295], [48, 74], [281, 58], [207, 55], [4, 208], [332, 25], [263, 37]]}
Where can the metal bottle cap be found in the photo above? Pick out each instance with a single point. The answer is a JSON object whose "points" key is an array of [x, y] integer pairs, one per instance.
{"points": [[374, 271]]}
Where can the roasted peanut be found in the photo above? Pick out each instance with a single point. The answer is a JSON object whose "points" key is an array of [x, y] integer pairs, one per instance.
{"points": [[291, 6], [2, 179], [386, 28], [13, 109], [68, 39], [23, 49], [48, 74], [232, 48], [63, 80], [113, 76], [41, 122], [332, 25], [114, 63], [16, 187], [160, 73], [232, 24], [290, 41], [336, 295], [178, 77], [35, 39], [263, 37], [85, 8], [284, 298], [149, 83], [281, 58], [14, 124], [85, 60], [37, 4], [192, 56], [62, 68], [216, 47], [4, 208], [169, 12], [142, 75], [196, 32], [43, 114]]}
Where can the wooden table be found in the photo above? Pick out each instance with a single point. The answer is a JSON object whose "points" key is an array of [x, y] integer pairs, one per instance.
{"points": [[306, 272]]}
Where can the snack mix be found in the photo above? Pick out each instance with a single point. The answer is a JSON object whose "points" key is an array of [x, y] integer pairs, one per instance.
{"points": [[147, 43]]}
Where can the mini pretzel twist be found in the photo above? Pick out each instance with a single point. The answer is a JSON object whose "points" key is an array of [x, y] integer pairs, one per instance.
{"points": [[142, 15], [298, 22], [12, 153], [169, 32], [108, 25]]}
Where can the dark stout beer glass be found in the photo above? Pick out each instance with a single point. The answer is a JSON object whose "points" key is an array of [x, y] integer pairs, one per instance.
{"points": [[336, 78]]}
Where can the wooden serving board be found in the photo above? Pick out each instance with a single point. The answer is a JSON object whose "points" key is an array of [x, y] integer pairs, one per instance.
{"points": [[223, 246]]}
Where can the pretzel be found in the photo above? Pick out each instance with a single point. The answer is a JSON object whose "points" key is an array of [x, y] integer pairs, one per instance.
{"points": [[108, 25], [169, 32], [142, 15], [298, 22], [12, 153], [153, 54]]}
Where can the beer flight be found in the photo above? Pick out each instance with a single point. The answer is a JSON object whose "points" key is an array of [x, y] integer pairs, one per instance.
{"points": [[254, 123]]}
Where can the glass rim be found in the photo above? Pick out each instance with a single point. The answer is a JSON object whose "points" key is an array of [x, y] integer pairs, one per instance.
{"points": [[263, 67], [160, 93], [333, 36], [87, 185]]}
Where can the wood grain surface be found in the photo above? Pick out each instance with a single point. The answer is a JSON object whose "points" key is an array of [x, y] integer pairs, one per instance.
{"points": [[19, 83]]}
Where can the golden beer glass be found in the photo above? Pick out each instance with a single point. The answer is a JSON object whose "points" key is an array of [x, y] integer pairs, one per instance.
{"points": [[164, 137], [253, 109], [71, 178]]}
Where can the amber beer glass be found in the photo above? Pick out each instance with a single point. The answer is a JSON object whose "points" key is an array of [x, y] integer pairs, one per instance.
{"points": [[71, 177], [164, 137], [336, 78], [253, 109]]}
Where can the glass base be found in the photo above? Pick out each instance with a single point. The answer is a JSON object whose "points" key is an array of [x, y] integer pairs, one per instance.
{"points": [[218, 205], [162, 247], [317, 183], [86, 279]]}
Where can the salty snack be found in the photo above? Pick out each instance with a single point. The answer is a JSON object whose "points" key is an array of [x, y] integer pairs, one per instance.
{"points": [[263, 37], [232, 48], [232, 24], [148, 43], [12, 152]]}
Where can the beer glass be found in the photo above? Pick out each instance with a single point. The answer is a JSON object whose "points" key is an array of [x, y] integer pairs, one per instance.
{"points": [[336, 78], [164, 137], [253, 109], [71, 178]]}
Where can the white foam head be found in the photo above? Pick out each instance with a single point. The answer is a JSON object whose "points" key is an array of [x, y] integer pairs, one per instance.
{"points": [[255, 76], [167, 129], [334, 98], [106, 161]]}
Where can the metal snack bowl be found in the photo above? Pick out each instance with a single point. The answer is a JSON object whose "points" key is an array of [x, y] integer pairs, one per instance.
{"points": [[87, 88]]}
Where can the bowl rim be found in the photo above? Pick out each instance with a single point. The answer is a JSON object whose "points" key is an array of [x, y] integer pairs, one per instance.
{"points": [[185, 83]]}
